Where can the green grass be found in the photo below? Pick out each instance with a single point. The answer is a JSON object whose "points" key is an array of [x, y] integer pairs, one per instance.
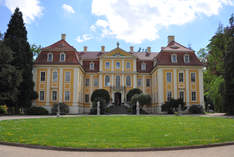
{"points": [[118, 131]]}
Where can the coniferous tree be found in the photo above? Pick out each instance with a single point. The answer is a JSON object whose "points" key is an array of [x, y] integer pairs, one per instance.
{"points": [[229, 68], [16, 39]]}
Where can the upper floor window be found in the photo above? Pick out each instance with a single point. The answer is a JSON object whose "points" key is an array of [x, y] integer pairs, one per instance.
{"points": [[173, 58], [87, 82], [67, 95], [107, 65], [117, 65], [147, 82], [55, 76], [62, 57], [117, 81], [95, 82], [186, 58], [50, 57], [139, 82], [143, 66], [128, 81], [168, 76], [181, 77], [67, 76], [128, 65], [91, 66], [107, 80], [193, 77], [42, 76]]}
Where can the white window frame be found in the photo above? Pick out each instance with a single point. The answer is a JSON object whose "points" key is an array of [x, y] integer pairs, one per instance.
{"points": [[67, 80], [60, 58], [107, 84], [169, 81], [128, 65], [143, 66], [54, 80], [139, 82], [41, 94], [128, 81], [107, 65], [169, 95], [87, 97], [179, 77], [193, 100], [172, 58], [67, 95], [53, 95], [91, 66], [186, 61], [117, 65], [44, 77], [95, 82], [49, 57], [194, 77]]}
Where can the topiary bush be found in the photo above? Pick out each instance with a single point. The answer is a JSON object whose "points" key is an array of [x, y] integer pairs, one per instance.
{"points": [[172, 106], [3, 110], [64, 109], [102, 107], [196, 109], [132, 92], [37, 111]]}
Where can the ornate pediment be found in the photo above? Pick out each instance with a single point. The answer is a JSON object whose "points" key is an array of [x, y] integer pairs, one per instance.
{"points": [[118, 53]]}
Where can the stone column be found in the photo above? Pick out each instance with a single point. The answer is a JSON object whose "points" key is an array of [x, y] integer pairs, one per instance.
{"points": [[100, 80], [48, 87], [187, 86], [160, 89], [122, 65], [143, 83], [60, 85], [201, 88], [175, 84], [91, 87], [134, 65], [75, 87], [112, 65], [134, 81]]}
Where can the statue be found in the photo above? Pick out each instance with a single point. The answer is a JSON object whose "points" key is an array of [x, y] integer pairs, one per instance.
{"points": [[98, 108], [58, 110], [137, 108]]}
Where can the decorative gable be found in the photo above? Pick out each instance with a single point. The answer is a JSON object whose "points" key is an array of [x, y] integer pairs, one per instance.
{"points": [[118, 53]]}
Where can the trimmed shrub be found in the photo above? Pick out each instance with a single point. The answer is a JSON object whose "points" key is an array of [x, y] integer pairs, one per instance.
{"points": [[64, 109], [143, 99], [172, 106], [196, 109], [102, 107], [3, 110], [37, 111], [132, 92]]}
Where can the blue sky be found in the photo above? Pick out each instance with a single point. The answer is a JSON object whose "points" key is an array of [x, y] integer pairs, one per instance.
{"points": [[138, 23]]}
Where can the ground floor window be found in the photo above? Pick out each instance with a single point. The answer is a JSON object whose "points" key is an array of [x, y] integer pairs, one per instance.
{"points": [[194, 96], [54, 95], [86, 98], [168, 95], [182, 95], [42, 95], [147, 82], [67, 95]]}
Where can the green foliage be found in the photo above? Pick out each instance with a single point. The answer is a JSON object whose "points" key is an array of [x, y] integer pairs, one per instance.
{"points": [[132, 92], [37, 111], [171, 106], [100, 94], [143, 99], [35, 49], [196, 109], [64, 109], [102, 106], [3, 110], [16, 39]]}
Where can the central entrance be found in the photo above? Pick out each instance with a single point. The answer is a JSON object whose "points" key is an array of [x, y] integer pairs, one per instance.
{"points": [[117, 98]]}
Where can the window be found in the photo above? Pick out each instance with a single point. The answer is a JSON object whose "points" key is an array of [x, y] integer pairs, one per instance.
{"points": [[42, 95], [186, 58], [139, 82], [117, 65], [147, 82], [67, 76], [107, 65], [107, 80], [86, 98], [95, 82], [54, 95], [62, 57], [117, 81], [128, 65], [43, 76], [55, 76], [128, 81], [182, 95], [181, 77], [168, 95], [50, 57], [143, 66], [168, 76], [194, 96], [173, 58], [193, 77], [67, 95], [87, 82], [91, 66]]}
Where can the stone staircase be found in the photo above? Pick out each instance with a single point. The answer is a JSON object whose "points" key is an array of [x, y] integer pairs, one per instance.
{"points": [[116, 109]]}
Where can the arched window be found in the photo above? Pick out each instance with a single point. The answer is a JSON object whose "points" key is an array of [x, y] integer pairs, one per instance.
{"points": [[128, 81], [107, 80], [117, 81]]}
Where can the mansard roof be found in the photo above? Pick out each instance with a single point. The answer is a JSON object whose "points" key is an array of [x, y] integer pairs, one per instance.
{"points": [[61, 45]]}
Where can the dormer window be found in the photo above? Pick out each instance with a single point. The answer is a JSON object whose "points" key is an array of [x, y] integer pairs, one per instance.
{"points": [[50, 57], [173, 58], [186, 58], [62, 57], [91, 66], [143, 66]]}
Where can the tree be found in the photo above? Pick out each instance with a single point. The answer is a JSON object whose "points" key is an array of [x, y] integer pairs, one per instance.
{"points": [[16, 39], [229, 68], [10, 77], [132, 92], [103, 97], [143, 99], [35, 49], [171, 106]]}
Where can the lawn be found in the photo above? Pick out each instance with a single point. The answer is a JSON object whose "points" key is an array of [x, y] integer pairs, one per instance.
{"points": [[118, 131]]}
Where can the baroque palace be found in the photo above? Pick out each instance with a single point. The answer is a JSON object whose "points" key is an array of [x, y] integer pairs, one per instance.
{"points": [[63, 74]]}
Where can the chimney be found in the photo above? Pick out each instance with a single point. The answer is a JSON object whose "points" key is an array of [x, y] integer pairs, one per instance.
{"points": [[63, 36], [148, 49], [131, 49], [103, 48], [171, 38], [85, 48]]}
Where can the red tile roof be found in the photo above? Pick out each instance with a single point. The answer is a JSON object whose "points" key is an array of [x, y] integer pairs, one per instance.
{"points": [[61, 45]]}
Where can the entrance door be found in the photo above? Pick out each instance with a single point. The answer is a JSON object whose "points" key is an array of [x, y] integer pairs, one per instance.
{"points": [[118, 98]]}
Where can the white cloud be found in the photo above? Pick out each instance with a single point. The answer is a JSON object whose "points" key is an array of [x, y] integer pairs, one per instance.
{"points": [[30, 8], [83, 38], [138, 20], [92, 28], [68, 8]]}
